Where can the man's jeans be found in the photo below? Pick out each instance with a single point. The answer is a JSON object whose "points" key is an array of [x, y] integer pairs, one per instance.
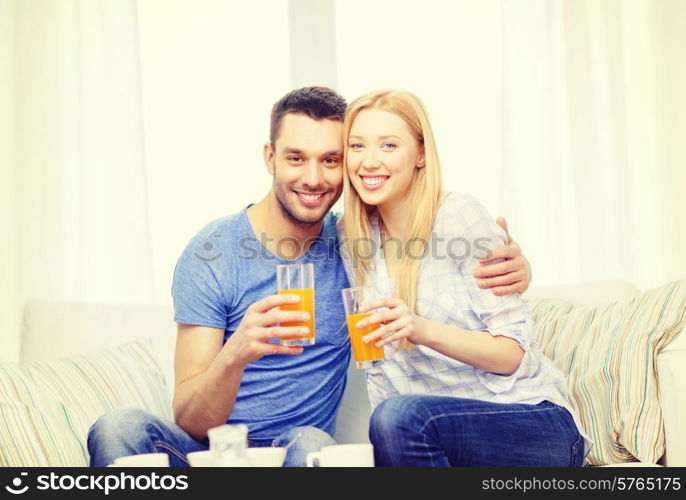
{"points": [[435, 431], [132, 431]]}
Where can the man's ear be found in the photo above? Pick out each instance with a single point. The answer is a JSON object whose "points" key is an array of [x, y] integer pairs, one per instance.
{"points": [[268, 153]]}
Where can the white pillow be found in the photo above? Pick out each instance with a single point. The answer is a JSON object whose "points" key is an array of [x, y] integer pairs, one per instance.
{"points": [[609, 355], [47, 407]]}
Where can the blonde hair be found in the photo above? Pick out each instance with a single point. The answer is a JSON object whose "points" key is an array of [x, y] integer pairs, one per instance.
{"points": [[425, 197]]}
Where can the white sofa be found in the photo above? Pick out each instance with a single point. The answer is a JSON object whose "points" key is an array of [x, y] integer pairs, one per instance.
{"points": [[54, 329]]}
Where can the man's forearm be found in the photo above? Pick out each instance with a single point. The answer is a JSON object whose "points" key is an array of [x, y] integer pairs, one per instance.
{"points": [[207, 399]]}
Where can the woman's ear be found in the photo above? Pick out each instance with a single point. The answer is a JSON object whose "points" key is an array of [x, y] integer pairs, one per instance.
{"points": [[421, 163]]}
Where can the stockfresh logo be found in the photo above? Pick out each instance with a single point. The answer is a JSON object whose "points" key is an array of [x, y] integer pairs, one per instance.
{"points": [[17, 487], [106, 484]]}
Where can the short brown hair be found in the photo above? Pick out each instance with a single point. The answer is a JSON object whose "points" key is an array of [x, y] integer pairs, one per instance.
{"points": [[319, 103]]}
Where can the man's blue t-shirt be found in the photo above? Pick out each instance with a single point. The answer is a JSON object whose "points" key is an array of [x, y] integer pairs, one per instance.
{"points": [[225, 269]]}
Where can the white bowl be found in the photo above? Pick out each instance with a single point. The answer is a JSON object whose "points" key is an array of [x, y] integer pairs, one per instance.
{"points": [[260, 457], [267, 457]]}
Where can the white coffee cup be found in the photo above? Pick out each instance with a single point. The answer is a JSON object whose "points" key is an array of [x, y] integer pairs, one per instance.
{"points": [[260, 457], [342, 455], [143, 460], [200, 458]]}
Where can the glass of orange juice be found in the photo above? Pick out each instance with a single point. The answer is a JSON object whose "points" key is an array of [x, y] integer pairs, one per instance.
{"points": [[298, 279], [365, 354]]}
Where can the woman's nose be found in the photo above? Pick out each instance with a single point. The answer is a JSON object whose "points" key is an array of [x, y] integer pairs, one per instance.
{"points": [[370, 161]]}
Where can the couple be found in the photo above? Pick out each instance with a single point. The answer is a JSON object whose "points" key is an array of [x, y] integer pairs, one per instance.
{"points": [[463, 384]]}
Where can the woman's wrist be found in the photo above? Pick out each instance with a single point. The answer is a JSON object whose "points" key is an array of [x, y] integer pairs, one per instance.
{"points": [[430, 332]]}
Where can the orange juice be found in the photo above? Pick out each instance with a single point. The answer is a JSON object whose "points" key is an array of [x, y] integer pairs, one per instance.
{"points": [[363, 351], [306, 304]]}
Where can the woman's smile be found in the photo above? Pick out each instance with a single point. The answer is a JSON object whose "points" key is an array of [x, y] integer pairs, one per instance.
{"points": [[374, 182]]}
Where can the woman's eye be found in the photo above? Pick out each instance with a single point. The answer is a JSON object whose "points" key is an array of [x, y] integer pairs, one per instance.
{"points": [[389, 146], [356, 146]]}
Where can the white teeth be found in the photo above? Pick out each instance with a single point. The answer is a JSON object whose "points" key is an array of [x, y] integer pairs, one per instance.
{"points": [[372, 181], [311, 197]]}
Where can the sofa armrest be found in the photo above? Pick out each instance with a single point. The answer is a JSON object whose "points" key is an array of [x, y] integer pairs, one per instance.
{"points": [[671, 374]]}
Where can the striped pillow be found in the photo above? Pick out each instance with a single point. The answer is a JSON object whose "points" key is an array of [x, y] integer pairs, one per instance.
{"points": [[608, 354], [47, 407]]}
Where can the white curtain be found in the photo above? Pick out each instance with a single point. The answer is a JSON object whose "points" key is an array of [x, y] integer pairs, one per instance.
{"points": [[79, 230], [125, 126], [9, 305], [593, 137], [566, 116]]}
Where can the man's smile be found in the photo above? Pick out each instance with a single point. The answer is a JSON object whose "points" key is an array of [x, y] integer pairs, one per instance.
{"points": [[310, 199]]}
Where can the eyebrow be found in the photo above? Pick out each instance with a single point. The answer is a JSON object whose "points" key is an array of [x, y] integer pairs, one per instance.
{"points": [[291, 151], [288, 151], [381, 137], [334, 152]]}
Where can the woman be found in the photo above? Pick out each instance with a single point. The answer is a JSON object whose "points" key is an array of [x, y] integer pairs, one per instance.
{"points": [[464, 383]]}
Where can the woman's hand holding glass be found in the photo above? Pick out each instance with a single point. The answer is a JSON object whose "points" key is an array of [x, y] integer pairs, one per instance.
{"points": [[397, 322]]}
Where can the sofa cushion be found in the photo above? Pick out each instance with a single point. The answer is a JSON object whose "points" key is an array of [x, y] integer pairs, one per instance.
{"points": [[595, 293], [52, 329], [609, 355], [47, 407]]}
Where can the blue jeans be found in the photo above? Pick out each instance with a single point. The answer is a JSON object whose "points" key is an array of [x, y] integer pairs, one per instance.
{"points": [[436, 431], [131, 431]]}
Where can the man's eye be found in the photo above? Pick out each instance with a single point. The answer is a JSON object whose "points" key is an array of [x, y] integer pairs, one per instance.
{"points": [[389, 146], [331, 161], [295, 159]]}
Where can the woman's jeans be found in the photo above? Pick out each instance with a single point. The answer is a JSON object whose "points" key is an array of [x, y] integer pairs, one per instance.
{"points": [[436, 431], [132, 431]]}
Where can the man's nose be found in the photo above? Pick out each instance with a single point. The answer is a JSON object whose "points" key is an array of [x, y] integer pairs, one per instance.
{"points": [[312, 177]]}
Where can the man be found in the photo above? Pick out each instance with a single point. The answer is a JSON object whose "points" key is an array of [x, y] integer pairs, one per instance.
{"points": [[227, 369]]}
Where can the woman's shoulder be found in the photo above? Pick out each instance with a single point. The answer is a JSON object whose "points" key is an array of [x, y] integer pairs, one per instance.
{"points": [[461, 208], [461, 215]]}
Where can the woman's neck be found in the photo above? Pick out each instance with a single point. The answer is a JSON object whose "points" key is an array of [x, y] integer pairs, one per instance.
{"points": [[394, 219]]}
